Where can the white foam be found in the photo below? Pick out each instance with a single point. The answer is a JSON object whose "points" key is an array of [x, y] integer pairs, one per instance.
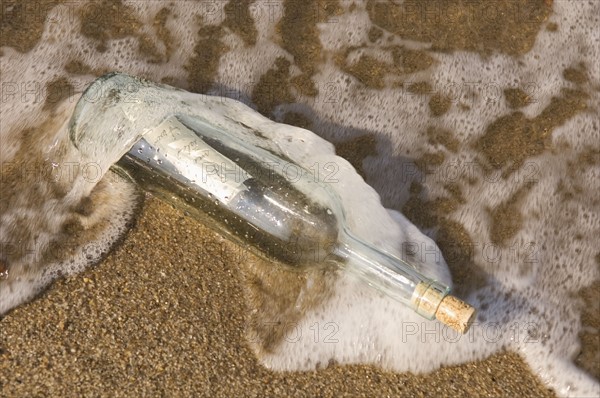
{"points": [[121, 210]]}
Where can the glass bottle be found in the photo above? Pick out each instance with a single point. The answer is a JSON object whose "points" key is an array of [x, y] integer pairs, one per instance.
{"points": [[229, 177]]}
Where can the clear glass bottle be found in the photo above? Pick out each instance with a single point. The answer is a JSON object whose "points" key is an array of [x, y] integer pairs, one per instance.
{"points": [[175, 150]]}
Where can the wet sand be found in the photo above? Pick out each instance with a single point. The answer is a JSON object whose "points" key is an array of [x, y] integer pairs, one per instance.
{"points": [[165, 314]]}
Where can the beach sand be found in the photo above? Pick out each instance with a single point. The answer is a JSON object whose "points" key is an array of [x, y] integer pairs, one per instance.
{"points": [[165, 315]]}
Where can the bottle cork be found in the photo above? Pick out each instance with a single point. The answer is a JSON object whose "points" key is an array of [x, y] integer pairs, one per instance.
{"points": [[456, 313], [449, 310]]}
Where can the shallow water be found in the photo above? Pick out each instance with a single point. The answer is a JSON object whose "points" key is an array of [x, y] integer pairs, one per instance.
{"points": [[483, 131]]}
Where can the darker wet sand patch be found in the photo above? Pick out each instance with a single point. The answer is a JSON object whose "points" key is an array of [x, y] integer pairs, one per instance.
{"points": [[512, 139], [588, 358], [458, 249], [455, 192], [571, 187], [203, 65], [410, 61], [78, 67], [439, 104], [112, 19], [298, 119], [375, 34], [452, 238], [148, 49], [239, 20], [506, 218], [162, 32], [108, 20], [444, 137], [576, 74], [22, 23], [516, 98], [273, 87], [420, 88], [356, 149], [373, 72], [299, 36], [428, 161], [157, 51], [368, 70], [506, 26]]}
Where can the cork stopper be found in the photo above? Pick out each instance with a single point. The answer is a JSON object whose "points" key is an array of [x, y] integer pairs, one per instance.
{"points": [[456, 313], [431, 302]]}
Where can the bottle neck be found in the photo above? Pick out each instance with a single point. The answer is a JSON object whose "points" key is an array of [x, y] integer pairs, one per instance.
{"points": [[392, 276]]}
